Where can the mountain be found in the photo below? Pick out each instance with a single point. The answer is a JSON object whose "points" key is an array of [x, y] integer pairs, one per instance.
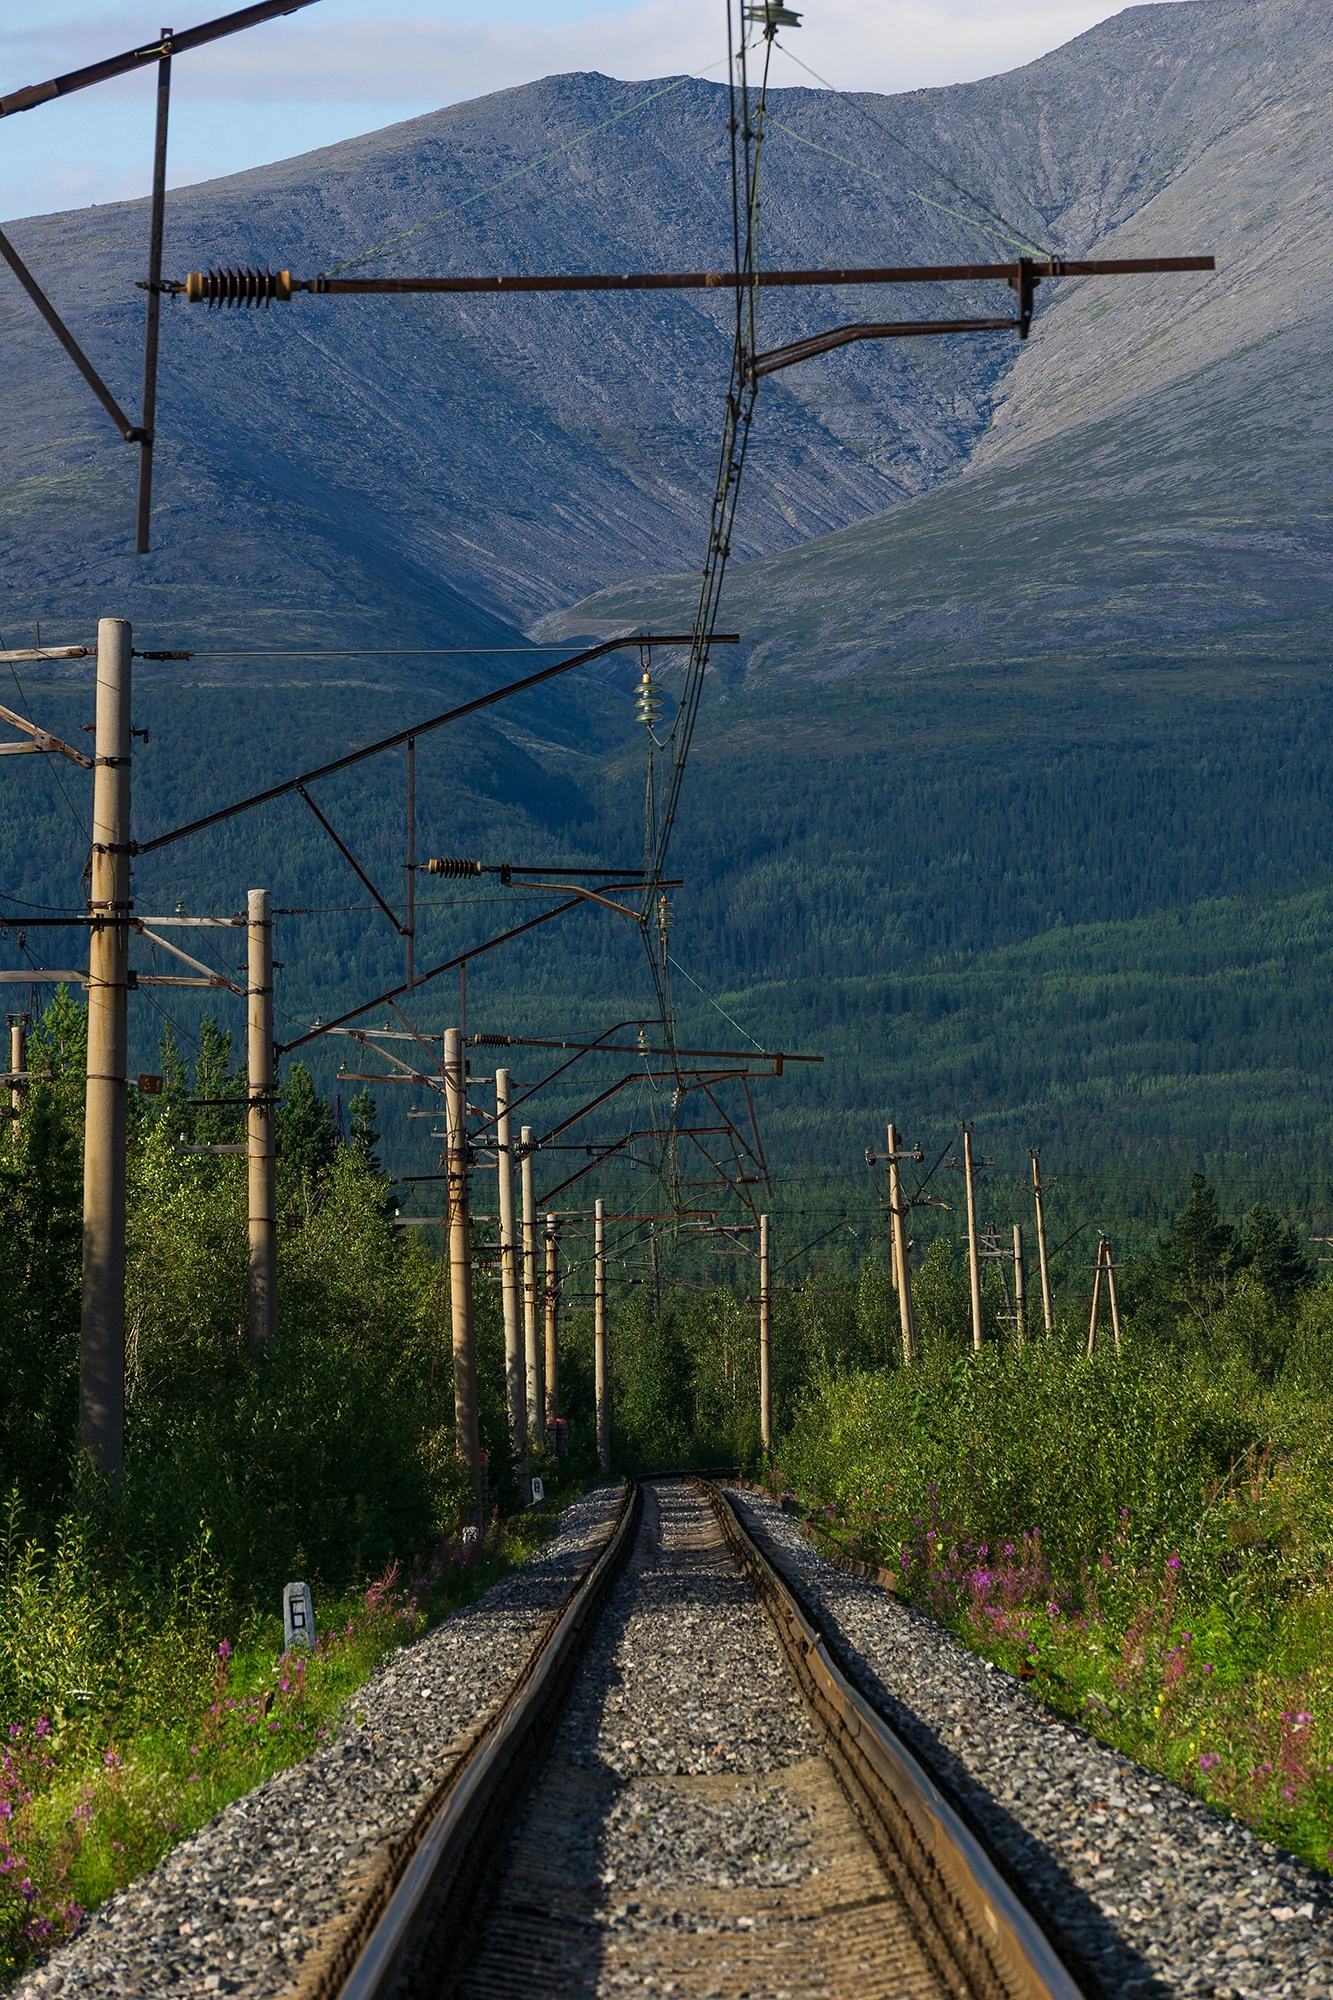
{"points": [[1034, 637]]}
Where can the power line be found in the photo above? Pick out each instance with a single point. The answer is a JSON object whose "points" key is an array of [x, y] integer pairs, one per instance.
{"points": [[895, 139], [507, 180]]}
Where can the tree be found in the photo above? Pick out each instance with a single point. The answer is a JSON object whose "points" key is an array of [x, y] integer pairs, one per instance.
{"points": [[1200, 1253], [1276, 1255], [365, 1131], [304, 1125], [215, 1123]]}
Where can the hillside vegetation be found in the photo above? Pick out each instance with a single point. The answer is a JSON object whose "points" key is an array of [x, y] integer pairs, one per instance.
{"points": [[1061, 663]]}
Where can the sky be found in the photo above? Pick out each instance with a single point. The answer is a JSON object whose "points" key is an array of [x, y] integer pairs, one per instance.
{"points": [[343, 67]]}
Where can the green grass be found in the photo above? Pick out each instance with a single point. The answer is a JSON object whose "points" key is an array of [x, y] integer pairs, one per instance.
{"points": [[1146, 1539], [95, 1787]]}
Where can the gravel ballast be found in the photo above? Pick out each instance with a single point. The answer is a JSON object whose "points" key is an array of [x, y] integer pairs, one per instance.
{"points": [[248, 1903], [1143, 1889], [687, 1835]]}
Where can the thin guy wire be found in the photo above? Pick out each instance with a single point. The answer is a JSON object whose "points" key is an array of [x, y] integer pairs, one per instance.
{"points": [[506, 180], [894, 138]]}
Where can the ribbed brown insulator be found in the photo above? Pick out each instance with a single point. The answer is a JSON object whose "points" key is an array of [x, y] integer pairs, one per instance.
{"points": [[242, 285], [454, 869]]}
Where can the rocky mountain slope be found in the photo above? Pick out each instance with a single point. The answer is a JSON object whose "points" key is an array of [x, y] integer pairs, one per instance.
{"points": [[1034, 637]]}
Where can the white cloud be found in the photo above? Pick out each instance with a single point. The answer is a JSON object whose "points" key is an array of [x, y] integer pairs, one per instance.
{"points": [[411, 59]]}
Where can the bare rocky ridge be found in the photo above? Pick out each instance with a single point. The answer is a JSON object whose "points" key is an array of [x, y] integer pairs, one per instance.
{"points": [[521, 453], [1149, 482]]}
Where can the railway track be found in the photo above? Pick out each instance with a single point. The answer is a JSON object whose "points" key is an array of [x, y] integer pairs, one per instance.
{"points": [[683, 1795]]}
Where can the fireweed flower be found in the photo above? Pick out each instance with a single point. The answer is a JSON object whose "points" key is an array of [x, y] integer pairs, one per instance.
{"points": [[224, 1650]]}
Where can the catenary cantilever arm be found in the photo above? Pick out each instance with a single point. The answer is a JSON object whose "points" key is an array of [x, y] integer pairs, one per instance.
{"points": [[421, 728], [130, 432], [151, 52]]}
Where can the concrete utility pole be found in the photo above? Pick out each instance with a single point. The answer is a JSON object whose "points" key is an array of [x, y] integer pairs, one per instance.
{"points": [[460, 1258], [18, 1067], [515, 1388], [260, 1120], [1047, 1318], [973, 1247], [532, 1351], [599, 1335], [902, 1273], [765, 1345], [552, 1327], [102, 1328], [1020, 1286]]}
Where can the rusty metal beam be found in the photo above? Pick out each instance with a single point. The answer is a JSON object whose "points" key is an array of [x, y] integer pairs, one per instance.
{"points": [[396, 993], [130, 432], [250, 286], [350, 859], [842, 336], [132, 59]]}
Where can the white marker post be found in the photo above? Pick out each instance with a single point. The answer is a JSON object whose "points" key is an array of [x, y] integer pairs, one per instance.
{"points": [[298, 1617]]}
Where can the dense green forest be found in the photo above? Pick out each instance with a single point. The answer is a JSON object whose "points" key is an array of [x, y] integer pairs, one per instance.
{"points": [[1113, 951]]}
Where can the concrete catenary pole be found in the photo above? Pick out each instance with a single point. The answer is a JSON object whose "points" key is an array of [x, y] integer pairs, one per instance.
{"points": [[515, 1386], [1020, 1287], [532, 1348], [600, 1382], [1047, 1318], [102, 1328], [973, 1246], [902, 1272], [552, 1327], [765, 1344], [261, 1148], [18, 1066], [467, 1435]]}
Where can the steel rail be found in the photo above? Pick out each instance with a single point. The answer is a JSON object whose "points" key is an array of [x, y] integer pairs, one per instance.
{"points": [[943, 1871], [427, 1903], [428, 1906]]}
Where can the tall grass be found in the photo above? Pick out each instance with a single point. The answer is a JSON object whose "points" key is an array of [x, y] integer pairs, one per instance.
{"points": [[141, 1674]]}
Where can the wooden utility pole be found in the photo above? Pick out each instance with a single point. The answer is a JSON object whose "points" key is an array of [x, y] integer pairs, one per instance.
{"points": [[657, 1275], [1106, 1267], [1047, 1318], [515, 1387], [552, 1327], [410, 939], [102, 1325], [1020, 1287], [261, 1107], [1115, 1305], [973, 1247], [599, 1336], [902, 1272], [467, 1434], [18, 1066], [765, 1343], [532, 1351]]}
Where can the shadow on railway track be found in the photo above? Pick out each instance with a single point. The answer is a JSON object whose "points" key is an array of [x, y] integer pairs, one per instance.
{"points": [[1098, 1954]]}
